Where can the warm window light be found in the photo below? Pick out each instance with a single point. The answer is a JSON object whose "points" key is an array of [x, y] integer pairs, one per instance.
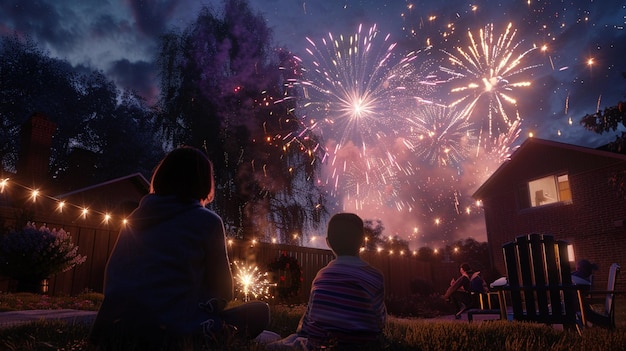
{"points": [[570, 253]]}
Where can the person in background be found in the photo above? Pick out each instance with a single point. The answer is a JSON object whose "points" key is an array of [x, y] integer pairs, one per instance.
{"points": [[461, 289], [168, 278], [584, 271], [346, 308]]}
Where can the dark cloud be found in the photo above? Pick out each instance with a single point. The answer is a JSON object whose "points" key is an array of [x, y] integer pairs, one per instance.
{"points": [[152, 17], [52, 23], [136, 76]]}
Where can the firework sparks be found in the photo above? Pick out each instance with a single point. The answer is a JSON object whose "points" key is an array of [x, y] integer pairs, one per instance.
{"points": [[251, 281], [440, 135], [371, 181], [489, 69], [352, 93]]}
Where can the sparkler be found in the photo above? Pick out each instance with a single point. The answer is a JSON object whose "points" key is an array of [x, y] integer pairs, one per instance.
{"points": [[251, 281]]}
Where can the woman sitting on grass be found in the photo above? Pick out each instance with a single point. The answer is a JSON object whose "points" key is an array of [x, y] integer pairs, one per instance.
{"points": [[168, 278]]}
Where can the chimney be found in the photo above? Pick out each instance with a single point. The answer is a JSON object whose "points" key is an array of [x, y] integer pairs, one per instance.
{"points": [[36, 143]]}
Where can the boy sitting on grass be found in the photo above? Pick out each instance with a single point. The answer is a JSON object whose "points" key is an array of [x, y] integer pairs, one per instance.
{"points": [[346, 306]]}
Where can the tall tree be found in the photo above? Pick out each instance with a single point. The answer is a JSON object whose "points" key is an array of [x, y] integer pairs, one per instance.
{"points": [[220, 84], [89, 111], [31, 81]]}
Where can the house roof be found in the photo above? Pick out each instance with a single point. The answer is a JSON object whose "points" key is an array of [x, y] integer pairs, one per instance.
{"points": [[137, 178], [118, 195], [537, 158]]}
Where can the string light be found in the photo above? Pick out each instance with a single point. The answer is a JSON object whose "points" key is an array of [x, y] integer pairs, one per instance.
{"points": [[107, 217], [61, 205]]}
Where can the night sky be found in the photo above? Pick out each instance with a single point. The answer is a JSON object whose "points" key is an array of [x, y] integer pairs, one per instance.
{"points": [[572, 54]]}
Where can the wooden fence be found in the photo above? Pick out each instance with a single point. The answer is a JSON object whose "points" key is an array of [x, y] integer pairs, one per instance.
{"points": [[96, 240]]}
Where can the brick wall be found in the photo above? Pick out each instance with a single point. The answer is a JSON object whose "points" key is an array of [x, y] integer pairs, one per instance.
{"points": [[593, 222]]}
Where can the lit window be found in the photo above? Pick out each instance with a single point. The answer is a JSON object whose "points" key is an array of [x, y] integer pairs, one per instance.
{"points": [[549, 190]]}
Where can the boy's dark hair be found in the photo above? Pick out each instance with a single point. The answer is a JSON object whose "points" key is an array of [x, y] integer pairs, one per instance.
{"points": [[186, 172], [466, 267], [345, 234]]}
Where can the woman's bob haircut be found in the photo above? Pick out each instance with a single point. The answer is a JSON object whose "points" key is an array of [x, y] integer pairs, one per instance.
{"points": [[185, 172]]}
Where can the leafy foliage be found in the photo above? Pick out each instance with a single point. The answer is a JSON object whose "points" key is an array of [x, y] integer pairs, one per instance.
{"points": [[375, 241], [90, 113], [287, 274], [37, 253], [220, 87]]}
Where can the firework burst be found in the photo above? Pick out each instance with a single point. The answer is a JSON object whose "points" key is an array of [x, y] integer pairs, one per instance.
{"points": [[371, 181], [440, 135], [489, 69], [352, 93]]}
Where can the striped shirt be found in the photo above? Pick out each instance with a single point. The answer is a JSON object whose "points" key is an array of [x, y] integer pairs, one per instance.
{"points": [[346, 302]]}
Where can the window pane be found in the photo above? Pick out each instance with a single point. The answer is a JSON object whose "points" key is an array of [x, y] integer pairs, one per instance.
{"points": [[543, 191], [564, 191]]}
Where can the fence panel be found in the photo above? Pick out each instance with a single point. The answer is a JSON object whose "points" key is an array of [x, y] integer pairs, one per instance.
{"points": [[96, 241]]}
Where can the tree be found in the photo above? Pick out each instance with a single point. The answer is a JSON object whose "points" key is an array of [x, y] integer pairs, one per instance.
{"points": [[606, 121], [89, 111], [425, 253], [220, 87], [30, 82], [375, 241]]}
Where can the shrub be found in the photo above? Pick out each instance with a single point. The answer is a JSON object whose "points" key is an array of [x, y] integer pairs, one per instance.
{"points": [[37, 253]]}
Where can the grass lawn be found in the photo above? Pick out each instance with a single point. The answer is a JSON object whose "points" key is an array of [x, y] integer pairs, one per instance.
{"points": [[400, 333]]}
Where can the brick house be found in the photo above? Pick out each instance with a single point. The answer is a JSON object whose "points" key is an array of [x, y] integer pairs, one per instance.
{"points": [[560, 189]]}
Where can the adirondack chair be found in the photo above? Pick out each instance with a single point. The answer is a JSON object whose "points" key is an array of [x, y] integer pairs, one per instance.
{"points": [[539, 280], [605, 316]]}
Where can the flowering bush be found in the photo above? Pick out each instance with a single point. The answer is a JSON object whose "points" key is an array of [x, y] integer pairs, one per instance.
{"points": [[37, 253]]}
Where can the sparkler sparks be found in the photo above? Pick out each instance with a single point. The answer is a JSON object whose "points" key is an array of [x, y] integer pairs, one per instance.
{"points": [[251, 281]]}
